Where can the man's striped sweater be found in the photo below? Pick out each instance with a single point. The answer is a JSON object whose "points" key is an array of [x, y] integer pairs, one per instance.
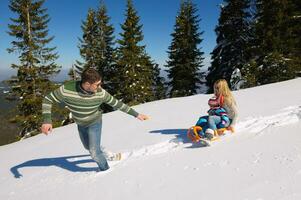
{"points": [[83, 105]]}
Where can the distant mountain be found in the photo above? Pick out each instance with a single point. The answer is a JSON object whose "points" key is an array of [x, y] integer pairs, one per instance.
{"points": [[8, 131], [6, 74]]}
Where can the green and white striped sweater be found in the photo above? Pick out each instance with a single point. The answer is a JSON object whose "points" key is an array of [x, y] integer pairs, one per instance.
{"points": [[83, 106]]}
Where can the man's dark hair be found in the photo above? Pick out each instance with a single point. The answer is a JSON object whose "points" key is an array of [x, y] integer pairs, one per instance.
{"points": [[90, 75]]}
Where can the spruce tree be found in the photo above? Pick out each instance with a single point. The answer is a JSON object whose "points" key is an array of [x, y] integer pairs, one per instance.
{"points": [[73, 74], [276, 38], [249, 70], [97, 47], [294, 22], [185, 57], [233, 36], [134, 66], [159, 87], [105, 50], [292, 32], [88, 43], [36, 60]]}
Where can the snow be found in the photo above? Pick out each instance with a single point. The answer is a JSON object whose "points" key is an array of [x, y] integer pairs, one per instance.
{"points": [[262, 160]]}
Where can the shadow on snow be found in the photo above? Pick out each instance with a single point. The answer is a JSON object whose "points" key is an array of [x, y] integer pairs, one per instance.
{"points": [[61, 162], [181, 135]]}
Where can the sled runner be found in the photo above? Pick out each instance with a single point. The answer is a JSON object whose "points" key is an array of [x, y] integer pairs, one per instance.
{"points": [[196, 134]]}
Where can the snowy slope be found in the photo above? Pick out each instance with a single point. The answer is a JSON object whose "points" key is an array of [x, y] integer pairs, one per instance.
{"points": [[262, 160]]}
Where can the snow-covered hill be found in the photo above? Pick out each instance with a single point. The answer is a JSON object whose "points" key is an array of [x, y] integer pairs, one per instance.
{"points": [[262, 160]]}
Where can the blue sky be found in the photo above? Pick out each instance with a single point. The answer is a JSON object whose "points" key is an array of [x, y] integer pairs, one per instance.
{"points": [[157, 17]]}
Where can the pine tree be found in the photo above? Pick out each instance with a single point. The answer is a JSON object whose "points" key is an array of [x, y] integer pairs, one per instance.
{"points": [[134, 66], [249, 70], [292, 32], [97, 46], [73, 74], [294, 21], [277, 53], [185, 57], [36, 60], [233, 36], [88, 43], [158, 83], [105, 50]]}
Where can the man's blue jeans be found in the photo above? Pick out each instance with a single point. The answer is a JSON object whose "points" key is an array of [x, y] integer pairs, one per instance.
{"points": [[91, 136]]}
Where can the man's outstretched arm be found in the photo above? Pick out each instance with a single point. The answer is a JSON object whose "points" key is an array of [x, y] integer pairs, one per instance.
{"points": [[55, 96], [119, 105]]}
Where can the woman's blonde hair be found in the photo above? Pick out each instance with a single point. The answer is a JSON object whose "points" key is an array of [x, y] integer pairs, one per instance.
{"points": [[221, 88]]}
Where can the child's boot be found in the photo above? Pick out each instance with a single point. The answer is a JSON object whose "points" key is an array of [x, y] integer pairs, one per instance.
{"points": [[211, 134]]}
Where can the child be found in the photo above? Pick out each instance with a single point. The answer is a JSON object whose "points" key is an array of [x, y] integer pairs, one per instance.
{"points": [[217, 118], [223, 111]]}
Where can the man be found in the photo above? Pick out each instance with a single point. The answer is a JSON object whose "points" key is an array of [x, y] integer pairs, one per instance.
{"points": [[83, 99]]}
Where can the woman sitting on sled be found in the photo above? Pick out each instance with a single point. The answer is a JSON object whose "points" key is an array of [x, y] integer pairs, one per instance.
{"points": [[222, 114]]}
